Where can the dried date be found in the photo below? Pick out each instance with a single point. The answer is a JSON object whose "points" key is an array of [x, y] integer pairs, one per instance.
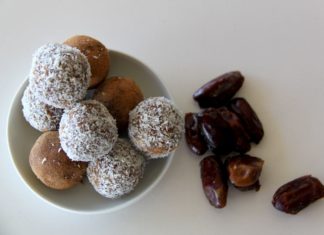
{"points": [[214, 181], [250, 120], [219, 91], [194, 138], [216, 131], [297, 194], [241, 141], [244, 171]]}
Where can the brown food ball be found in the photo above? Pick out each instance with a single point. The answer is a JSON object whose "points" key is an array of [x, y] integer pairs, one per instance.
{"points": [[97, 55], [120, 95], [50, 164]]}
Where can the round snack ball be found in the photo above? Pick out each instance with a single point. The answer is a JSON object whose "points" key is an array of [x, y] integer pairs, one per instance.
{"points": [[41, 116], [87, 131], [97, 54], [155, 127], [50, 164], [118, 172], [60, 75], [120, 95]]}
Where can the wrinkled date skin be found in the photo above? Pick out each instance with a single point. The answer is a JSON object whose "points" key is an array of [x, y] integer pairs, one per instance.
{"points": [[216, 131], [250, 120], [194, 138], [244, 171], [241, 141], [219, 91], [214, 181], [295, 195]]}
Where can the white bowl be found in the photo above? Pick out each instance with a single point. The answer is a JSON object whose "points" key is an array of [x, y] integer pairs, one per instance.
{"points": [[83, 198]]}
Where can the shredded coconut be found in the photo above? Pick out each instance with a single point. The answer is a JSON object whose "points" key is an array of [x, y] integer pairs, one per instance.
{"points": [[41, 116], [87, 131], [118, 172], [44, 160], [156, 127], [60, 74]]}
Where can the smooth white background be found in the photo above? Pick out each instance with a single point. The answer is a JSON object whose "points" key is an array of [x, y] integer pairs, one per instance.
{"points": [[277, 45]]}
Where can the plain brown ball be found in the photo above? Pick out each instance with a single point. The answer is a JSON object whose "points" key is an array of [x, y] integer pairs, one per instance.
{"points": [[120, 95], [50, 164], [97, 55]]}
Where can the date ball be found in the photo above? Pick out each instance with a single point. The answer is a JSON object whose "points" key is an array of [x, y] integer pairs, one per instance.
{"points": [[50, 164], [118, 172], [87, 131], [97, 55], [155, 127], [60, 75], [39, 115], [120, 95]]}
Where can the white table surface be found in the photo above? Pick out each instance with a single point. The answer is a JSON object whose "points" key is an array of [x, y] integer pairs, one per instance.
{"points": [[277, 45]]}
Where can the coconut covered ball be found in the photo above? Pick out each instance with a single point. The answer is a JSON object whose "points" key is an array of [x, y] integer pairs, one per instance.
{"points": [[118, 172], [60, 75], [87, 131], [41, 116], [155, 127]]}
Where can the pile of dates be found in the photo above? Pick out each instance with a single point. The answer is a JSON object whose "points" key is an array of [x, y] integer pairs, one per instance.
{"points": [[226, 125]]}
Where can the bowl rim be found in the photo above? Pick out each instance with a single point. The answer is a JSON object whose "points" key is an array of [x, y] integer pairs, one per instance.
{"points": [[96, 211]]}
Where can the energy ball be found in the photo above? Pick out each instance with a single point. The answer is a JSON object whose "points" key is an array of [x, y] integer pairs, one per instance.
{"points": [[50, 164], [60, 75], [155, 127], [97, 54], [87, 131], [120, 95], [118, 172], [41, 116]]}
